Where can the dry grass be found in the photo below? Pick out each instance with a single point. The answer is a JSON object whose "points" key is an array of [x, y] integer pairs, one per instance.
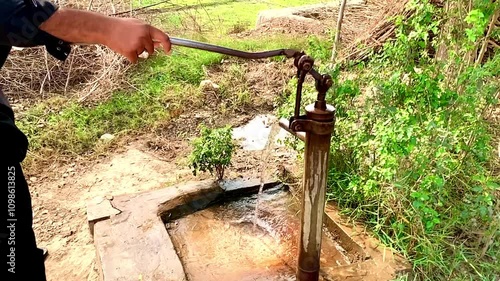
{"points": [[91, 72], [358, 18], [381, 29], [375, 35]]}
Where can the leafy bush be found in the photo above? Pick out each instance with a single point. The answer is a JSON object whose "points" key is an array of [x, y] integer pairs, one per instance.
{"points": [[212, 151], [412, 153]]}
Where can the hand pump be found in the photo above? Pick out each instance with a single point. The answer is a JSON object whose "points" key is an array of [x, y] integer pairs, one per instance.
{"points": [[318, 125]]}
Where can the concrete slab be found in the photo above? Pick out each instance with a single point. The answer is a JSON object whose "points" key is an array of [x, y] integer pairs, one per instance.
{"points": [[377, 262], [130, 252], [134, 244], [130, 236], [99, 209]]}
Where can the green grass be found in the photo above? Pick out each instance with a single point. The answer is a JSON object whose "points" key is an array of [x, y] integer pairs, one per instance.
{"points": [[217, 16], [74, 128], [164, 84]]}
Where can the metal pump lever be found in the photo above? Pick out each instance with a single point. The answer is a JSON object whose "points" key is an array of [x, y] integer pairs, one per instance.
{"points": [[289, 53], [303, 63]]}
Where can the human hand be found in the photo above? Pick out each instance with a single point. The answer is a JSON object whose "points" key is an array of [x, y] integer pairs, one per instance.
{"points": [[131, 37], [126, 36]]}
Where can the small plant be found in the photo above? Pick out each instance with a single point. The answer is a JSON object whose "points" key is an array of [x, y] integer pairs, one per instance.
{"points": [[212, 151]]}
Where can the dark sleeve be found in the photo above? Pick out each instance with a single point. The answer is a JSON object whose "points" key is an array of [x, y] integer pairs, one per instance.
{"points": [[19, 26]]}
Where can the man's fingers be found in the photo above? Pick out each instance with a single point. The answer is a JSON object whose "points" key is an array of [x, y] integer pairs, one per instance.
{"points": [[149, 46], [161, 37], [132, 57]]}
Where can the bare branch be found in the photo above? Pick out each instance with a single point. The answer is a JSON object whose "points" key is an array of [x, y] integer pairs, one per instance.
{"points": [[339, 28], [487, 38], [140, 8]]}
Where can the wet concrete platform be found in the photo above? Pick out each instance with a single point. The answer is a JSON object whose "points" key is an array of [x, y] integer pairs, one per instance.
{"points": [[132, 241], [232, 241]]}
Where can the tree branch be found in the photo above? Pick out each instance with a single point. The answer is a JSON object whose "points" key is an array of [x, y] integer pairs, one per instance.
{"points": [[487, 38], [339, 28]]}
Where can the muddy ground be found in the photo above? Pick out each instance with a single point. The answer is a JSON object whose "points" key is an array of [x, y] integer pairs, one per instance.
{"points": [[59, 202]]}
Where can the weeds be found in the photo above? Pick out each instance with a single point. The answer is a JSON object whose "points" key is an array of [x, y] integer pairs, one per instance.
{"points": [[412, 151]]}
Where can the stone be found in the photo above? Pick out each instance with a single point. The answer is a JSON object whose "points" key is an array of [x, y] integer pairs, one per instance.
{"points": [[135, 242], [107, 137], [67, 233], [99, 209], [144, 55], [255, 134], [209, 86]]}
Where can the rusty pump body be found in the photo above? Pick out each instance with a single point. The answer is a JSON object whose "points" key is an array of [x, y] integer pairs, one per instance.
{"points": [[318, 125]]}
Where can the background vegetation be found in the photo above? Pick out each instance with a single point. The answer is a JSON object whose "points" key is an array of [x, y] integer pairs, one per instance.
{"points": [[414, 151]]}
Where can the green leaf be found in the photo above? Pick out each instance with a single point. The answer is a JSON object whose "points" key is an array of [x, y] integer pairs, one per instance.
{"points": [[417, 204], [477, 189], [493, 185]]}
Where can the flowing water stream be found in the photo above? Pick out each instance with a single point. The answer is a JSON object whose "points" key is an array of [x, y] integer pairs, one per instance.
{"points": [[275, 129], [225, 243]]}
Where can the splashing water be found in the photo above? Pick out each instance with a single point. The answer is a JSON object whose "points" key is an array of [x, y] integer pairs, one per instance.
{"points": [[275, 128]]}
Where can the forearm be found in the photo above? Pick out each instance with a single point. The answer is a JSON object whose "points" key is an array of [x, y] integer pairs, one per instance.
{"points": [[77, 26], [128, 37], [22, 25]]}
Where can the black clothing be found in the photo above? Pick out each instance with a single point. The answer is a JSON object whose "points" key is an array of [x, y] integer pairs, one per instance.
{"points": [[20, 258], [19, 22]]}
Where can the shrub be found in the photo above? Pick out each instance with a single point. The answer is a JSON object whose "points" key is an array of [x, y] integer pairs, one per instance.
{"points": [[212, 151], [412, 155]]}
